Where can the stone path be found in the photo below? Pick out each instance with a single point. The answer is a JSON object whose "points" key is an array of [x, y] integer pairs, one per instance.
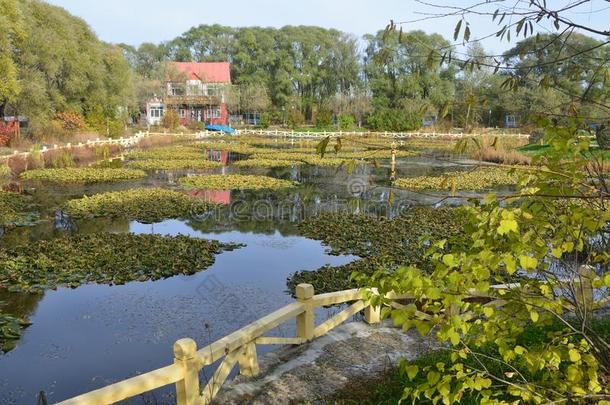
{"points": [[314, 371]]}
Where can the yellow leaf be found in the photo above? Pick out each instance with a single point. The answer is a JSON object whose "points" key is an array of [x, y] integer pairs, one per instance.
{"points": [[534, 316], [574, 355]]}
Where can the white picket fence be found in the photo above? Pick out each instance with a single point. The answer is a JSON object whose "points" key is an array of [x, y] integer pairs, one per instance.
{"points": [[124, 142], [395, 135]]}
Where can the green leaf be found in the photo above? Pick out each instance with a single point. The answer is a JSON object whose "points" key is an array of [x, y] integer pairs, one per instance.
{"points": [[412, 371], [534, 316], [574, 355], [433, 377], [527, 262], [507, 226]]}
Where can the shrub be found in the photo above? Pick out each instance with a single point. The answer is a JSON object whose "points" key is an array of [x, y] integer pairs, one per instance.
{"points": [[390, 119], [170, 120], [69, 121], [265, 120], [171, 164], [295, 119], [324, 118], [347, 121]]}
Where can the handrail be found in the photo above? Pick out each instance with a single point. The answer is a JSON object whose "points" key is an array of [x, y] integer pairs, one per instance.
{"points": [[239, 347]]}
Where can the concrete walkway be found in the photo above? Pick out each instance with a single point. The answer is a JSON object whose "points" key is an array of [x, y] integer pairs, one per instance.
{"points": [[315, 371]]}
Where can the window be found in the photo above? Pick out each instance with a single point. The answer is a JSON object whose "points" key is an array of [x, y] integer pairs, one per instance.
{"points": [[156, 112], [213, 111]]}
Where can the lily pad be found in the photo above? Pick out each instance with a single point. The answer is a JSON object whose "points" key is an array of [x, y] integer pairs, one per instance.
{"points": [[235, 182], [480, 179], [82, 175], [382, 243], [103, 258], [147, 205]]}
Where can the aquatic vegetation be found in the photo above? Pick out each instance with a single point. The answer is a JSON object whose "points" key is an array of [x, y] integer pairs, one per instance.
{"points": [[235, 182], [104, 258], [179, 164], [147, 205], [308, 158], [10, 331], [16, 209], [171, 153], [230, 147], [269, 163], [82, 175], [479, 179], [380, 242]]}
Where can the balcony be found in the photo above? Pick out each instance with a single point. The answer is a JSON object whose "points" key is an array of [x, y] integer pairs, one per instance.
{"points": [[192, 100]]}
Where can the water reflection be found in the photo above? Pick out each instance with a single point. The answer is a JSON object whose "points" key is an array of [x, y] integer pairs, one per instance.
{"points": [[91, 336]]}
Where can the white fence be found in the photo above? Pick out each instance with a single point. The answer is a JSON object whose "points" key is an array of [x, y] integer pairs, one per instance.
{"points": [[124, 142], [395, 135]]}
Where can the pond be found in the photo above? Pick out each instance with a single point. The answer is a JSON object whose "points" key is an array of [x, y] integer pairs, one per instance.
{"points": [[84, 338]]}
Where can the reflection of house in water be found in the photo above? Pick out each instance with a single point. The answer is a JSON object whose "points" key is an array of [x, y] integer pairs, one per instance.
{"points": [[222, 197]]}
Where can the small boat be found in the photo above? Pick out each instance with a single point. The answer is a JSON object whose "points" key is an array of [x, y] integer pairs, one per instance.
{"points": [[220, 128]]}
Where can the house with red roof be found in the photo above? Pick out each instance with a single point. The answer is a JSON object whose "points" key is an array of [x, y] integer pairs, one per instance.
{"points": [[196, 91]]}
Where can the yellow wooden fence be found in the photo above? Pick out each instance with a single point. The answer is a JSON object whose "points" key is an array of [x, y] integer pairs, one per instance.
{"points": [[238, 348]]}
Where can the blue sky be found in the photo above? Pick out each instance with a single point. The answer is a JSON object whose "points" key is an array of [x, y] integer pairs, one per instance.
{"points": [[137, 21]]}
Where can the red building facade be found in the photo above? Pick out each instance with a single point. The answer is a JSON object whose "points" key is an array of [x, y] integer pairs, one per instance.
{"points": [[196, 91]]}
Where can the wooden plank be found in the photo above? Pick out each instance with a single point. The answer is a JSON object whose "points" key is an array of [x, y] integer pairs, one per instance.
{"points": [[232, 342], [130, 387], [270, 340], [338, 297], [219, 378], [338, 319]]}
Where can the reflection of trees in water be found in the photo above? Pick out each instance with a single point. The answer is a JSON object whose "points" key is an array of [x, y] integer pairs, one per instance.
{"points": [[20, 305], [61, 225], [282, 210]]}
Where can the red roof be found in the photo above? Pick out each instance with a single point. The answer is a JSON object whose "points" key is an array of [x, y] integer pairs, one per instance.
{"points": [[207, 72]]}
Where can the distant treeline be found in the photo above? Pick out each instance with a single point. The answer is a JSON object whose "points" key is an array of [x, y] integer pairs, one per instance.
{"points": [[389, 81], [52, 66]]}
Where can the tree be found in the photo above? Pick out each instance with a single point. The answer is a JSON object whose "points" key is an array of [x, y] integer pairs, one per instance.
{"points": [[545, 247], [11, 36]]}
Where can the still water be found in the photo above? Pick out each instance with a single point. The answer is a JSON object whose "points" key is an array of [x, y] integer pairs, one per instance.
{"points": [[84, 338]]}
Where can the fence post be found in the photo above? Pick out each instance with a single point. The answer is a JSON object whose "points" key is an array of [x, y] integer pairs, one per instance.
{"points": [[306, 320], [372, 314], [187, 389], [248, 360]]}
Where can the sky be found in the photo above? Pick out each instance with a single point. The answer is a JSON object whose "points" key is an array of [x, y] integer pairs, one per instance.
{"points": [[137, 21]]}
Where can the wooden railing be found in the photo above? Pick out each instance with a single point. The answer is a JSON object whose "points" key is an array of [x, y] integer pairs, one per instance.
{"points": [[238, 348], [395, 135]]}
